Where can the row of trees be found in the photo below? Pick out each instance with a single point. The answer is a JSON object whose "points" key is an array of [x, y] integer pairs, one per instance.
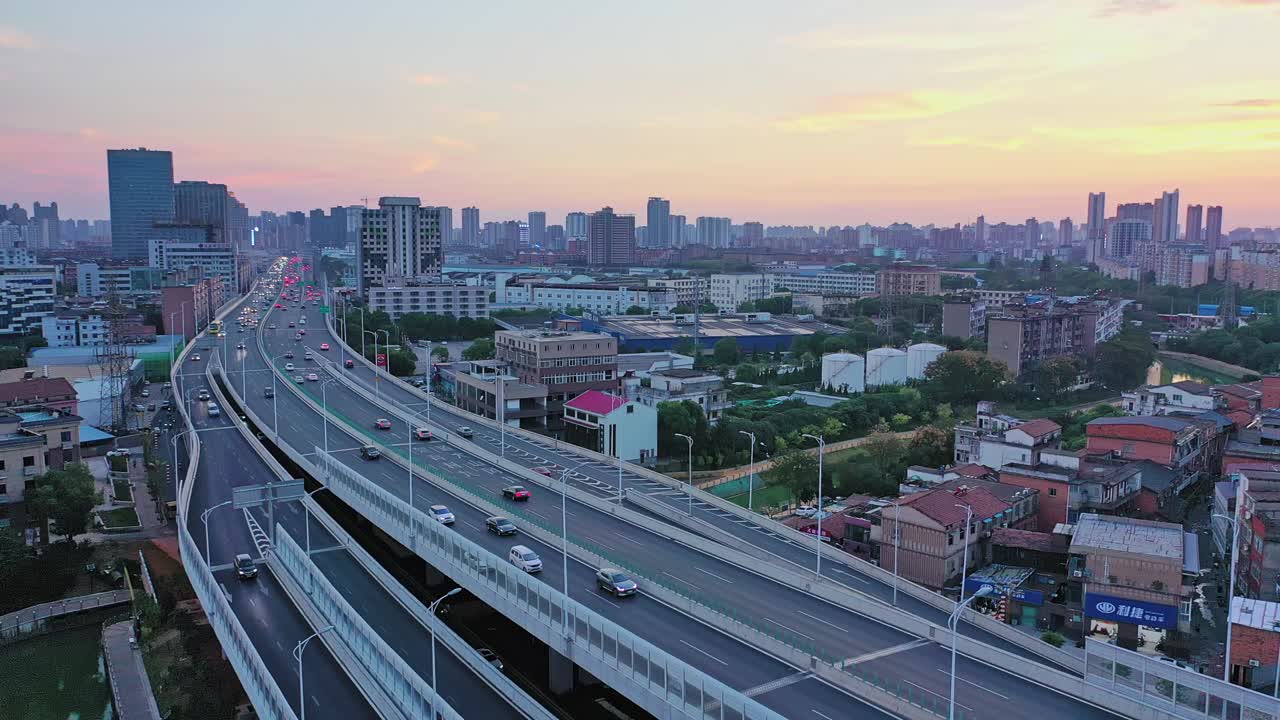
{"points": [[1255, 346]]}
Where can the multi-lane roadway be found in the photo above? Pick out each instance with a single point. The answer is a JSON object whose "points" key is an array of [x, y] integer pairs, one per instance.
{"points": [[917, 667]]}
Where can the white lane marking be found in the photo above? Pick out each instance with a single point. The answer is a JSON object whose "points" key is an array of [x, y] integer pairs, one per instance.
{"points": [[708, 572], [821, 715], [944, 671], [859, 578], [824, 622], [943, 697], [883, 652], [686, 582], [596, 594], [630, 540], [790, 629], [704, 652]]}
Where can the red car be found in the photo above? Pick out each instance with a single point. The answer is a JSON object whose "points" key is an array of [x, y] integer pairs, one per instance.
{"points": [[350, 363], [324, 346], [543, 471], [382, 424], [515, 492]]}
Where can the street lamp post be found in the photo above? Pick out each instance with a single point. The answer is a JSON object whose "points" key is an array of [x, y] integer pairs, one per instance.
{"points": [[686, 437], [298, 649], [432, 611], [822, 448], [751, 476], [952, 623], [204, 518], [964, 567]]}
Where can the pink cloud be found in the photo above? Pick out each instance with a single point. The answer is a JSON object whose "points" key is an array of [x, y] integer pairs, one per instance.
{"points": [[428, 80], [13, 39], [1134, 7]]}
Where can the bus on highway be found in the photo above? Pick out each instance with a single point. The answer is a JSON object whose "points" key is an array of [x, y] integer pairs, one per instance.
{"points": [[215, 328]]}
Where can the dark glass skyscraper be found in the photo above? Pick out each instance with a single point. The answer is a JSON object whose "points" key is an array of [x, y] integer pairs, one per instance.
{"points": [[140, 188]]}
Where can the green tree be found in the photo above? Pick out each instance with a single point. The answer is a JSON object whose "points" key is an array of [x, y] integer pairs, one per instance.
{"points": [[66, 497], [964, 376], [12, 357], [797, 471], [1123, 360], [1056, 374], [637, 310], [482, 349], [726, 351], [685, 346], [440, 353], [403, 362]]}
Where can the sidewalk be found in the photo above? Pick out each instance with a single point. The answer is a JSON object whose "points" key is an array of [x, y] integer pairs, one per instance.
{"points": [[130, 687]]}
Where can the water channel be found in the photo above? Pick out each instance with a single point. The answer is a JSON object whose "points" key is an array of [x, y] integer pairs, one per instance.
{"points": [[1165, 371], [59, 676]]}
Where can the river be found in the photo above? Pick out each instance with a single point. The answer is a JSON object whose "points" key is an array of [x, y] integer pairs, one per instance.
{"points": [[59, 676], [1163, 372]]}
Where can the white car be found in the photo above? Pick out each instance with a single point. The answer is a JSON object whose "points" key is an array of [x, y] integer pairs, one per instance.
{"points": [[525, 559], [441, 514], [288, 367], [806, 512], [298, 379], [313, 377]]}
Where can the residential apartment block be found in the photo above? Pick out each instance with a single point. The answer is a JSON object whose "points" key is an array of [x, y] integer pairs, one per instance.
{"points": [[567, 360], [728, 291], [27, 294], [453, 299], [679, 384], [906, 279]]}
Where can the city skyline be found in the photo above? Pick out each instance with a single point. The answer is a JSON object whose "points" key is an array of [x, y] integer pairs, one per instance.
{"points": [[821, 115]]}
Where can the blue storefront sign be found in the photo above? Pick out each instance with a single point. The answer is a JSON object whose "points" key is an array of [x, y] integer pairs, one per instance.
{"points": [[1022, 595], [1137, 612]]}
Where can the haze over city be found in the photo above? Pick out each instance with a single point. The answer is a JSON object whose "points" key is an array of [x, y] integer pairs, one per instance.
{"points": [[817, 113]]}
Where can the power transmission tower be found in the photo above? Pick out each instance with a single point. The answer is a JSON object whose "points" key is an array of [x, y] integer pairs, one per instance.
{"points": [[888, 305], [115, 360]]}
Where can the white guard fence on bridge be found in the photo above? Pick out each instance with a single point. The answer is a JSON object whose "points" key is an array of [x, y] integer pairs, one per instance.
{"points": [[670, 688]]}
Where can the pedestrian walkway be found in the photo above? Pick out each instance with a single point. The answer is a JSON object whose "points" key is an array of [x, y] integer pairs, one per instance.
{"points": [[26, 619], [130, 687]]}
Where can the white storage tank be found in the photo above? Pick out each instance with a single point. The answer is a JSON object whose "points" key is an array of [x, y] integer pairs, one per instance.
{"points": [[919, 357], [843, 371], [886, 366]]}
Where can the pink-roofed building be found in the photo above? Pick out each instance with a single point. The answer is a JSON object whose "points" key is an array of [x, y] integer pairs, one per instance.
{"points": [[612, 425]]}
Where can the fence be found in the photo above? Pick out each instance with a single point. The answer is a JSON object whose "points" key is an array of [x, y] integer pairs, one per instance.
{"points": [[1179, 691], [30, 620]]}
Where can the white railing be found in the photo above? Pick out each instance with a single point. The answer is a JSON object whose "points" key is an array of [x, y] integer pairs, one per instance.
{"points": [[264, 693], [411, 694], [670, 687]]}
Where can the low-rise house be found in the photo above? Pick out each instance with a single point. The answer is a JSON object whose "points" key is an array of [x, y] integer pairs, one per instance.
{"points": [[1070, 483], [995, 439], [932, 535], [1241, 396], [1183, 396], [53, 392], [1187, 445], [677, 385], [612, 425], [484, 386]]}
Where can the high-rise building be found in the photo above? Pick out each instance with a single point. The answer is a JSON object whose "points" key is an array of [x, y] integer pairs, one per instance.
{"points": [[1032, 237], [140, 190], [1125, 236], [576, 226], [1192, 233], [612, 239], [446, 223], [399, 244], [470, 226], [555, 237], [1213, 227], [1095, 232], [537, 228], [1066, 231], [675, 230], [714, 231], [1136, 211], [659, 223], [979, 232], [196, 202], [1164, 229]]}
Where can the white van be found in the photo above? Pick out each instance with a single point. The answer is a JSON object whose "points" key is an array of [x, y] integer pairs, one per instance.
{"points": [[214, 410], [525, 559]]}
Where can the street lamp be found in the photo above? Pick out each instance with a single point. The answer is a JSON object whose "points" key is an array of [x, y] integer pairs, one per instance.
{"points": [[953, 623], [686, 437], [298, 649], [1231, 593], [751, 478], [432, 611], [968, 523], [564, 523], [822, 448], [204, 518]]}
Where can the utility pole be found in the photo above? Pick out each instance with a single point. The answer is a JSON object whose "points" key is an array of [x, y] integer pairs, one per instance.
{"points": [[114, 357]]}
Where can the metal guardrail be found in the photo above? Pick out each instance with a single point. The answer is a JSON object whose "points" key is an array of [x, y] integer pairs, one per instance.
{"points": [[671, 688], [1181, 692], [411, 694], [264, 693], [20, 622]]}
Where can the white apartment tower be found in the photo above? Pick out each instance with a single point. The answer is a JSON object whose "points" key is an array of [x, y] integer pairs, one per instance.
{"points": [[399, 244]]}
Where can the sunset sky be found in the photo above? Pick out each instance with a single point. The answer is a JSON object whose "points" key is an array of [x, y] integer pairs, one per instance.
{"points": [[784, 112]]}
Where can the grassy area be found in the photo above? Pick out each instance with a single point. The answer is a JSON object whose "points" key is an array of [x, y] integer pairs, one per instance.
{"points": [[1033, 409], [118, 463], [767, 496], [119, 518], [122, 491]]}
